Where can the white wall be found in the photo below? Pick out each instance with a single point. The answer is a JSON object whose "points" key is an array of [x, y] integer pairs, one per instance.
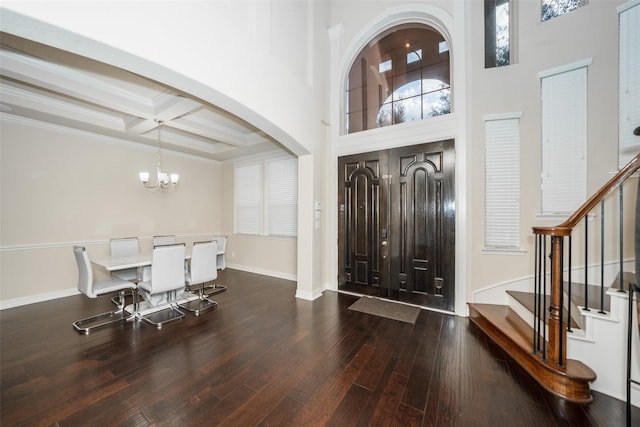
{"points": [[588, 32], [61, 187]]}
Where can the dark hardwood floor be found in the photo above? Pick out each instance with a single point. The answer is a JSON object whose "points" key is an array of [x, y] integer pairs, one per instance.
{"points": [[266, 358]]}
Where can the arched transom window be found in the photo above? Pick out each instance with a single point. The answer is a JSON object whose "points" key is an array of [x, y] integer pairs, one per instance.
{"points": [[402, 75]]}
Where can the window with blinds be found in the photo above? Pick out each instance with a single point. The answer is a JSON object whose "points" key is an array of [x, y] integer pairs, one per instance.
{"points": [[629, 83], [282, 196], [564, 138], [502, 182], [248, 199], [266, 197]]}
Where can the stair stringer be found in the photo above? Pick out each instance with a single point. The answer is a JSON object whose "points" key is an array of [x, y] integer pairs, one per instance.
{"points": [[603, 348]]}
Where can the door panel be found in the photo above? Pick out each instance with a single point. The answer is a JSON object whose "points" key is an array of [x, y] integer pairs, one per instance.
{"points": [[422, 223], [362, 190], [396, 224]]}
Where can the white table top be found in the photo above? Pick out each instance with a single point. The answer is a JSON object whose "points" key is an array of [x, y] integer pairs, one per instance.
{"points": [[123, 263], [143, 259]]}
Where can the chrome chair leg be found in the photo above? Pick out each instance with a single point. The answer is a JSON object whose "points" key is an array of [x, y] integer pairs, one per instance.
{"points": [[215, 288], [166, 313], [162, 317], [199, 305], [88, 324]]}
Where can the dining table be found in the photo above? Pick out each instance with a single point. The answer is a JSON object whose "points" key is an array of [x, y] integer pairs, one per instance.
{"points": [[142, 262]]}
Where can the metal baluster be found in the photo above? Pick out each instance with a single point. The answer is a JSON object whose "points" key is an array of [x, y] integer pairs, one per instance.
{"points": [[543, 294], [570, 284], [586, 264], [630, 381], [601, 257], [620, 281], [536, 279], [540, 312], [561, 308]]}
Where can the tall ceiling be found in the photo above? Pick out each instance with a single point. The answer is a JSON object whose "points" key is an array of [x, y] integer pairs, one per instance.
{"points": [[46, 84]]}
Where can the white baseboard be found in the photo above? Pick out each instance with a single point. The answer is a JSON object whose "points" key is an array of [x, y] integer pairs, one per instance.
{"points": [[278, 274], [306, 295], [309, 296], [32, 299], [496, 294]]}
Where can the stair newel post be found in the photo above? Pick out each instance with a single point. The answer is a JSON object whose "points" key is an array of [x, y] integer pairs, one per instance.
{"points": [[557, 326]]}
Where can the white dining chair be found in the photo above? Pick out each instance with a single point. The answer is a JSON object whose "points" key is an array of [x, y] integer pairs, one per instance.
{"points": [[214, 288], [222, 248], [202, 269], [122, 248], [168, 239], [167, 278], [91, 289]]}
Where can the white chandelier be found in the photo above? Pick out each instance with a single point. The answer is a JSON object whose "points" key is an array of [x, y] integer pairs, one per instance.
{"points": [[164, 181]]}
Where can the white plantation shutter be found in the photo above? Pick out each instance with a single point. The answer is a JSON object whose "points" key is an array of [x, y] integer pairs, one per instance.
{"points": [[629, 83], [248, 198], [564, 138], [502, 182], [282, 198]]}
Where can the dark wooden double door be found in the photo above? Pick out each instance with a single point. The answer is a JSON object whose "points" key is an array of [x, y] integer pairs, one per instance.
{"points": [[396, 212]]}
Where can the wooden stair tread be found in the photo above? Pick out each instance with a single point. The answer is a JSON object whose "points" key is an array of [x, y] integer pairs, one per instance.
{"points": [[510, 323], [515, 337], [593, 292], [527, 301]]}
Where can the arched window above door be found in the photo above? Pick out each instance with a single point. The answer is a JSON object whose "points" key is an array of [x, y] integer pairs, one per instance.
{"points": [[400, 76]]}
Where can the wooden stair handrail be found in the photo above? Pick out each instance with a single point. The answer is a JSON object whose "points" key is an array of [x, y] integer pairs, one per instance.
{"points": [[566, 227]]}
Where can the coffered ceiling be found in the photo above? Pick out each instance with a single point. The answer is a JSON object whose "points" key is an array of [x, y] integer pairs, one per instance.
{"points": [[53, 86]]}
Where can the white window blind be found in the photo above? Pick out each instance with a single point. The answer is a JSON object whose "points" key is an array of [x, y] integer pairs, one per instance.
{"points": [[248, 198], [266, 197], [282, 199], [502, 183], [629, 83], [564, 137]]}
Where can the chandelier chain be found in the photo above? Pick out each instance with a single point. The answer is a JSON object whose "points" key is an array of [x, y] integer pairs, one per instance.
{"points": [[160, 122]]}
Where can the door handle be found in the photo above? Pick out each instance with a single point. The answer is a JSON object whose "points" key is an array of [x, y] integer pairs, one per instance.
{"points": [[384, 243]]}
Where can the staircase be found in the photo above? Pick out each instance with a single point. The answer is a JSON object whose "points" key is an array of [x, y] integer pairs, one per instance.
{"points": [[569, 325]]}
